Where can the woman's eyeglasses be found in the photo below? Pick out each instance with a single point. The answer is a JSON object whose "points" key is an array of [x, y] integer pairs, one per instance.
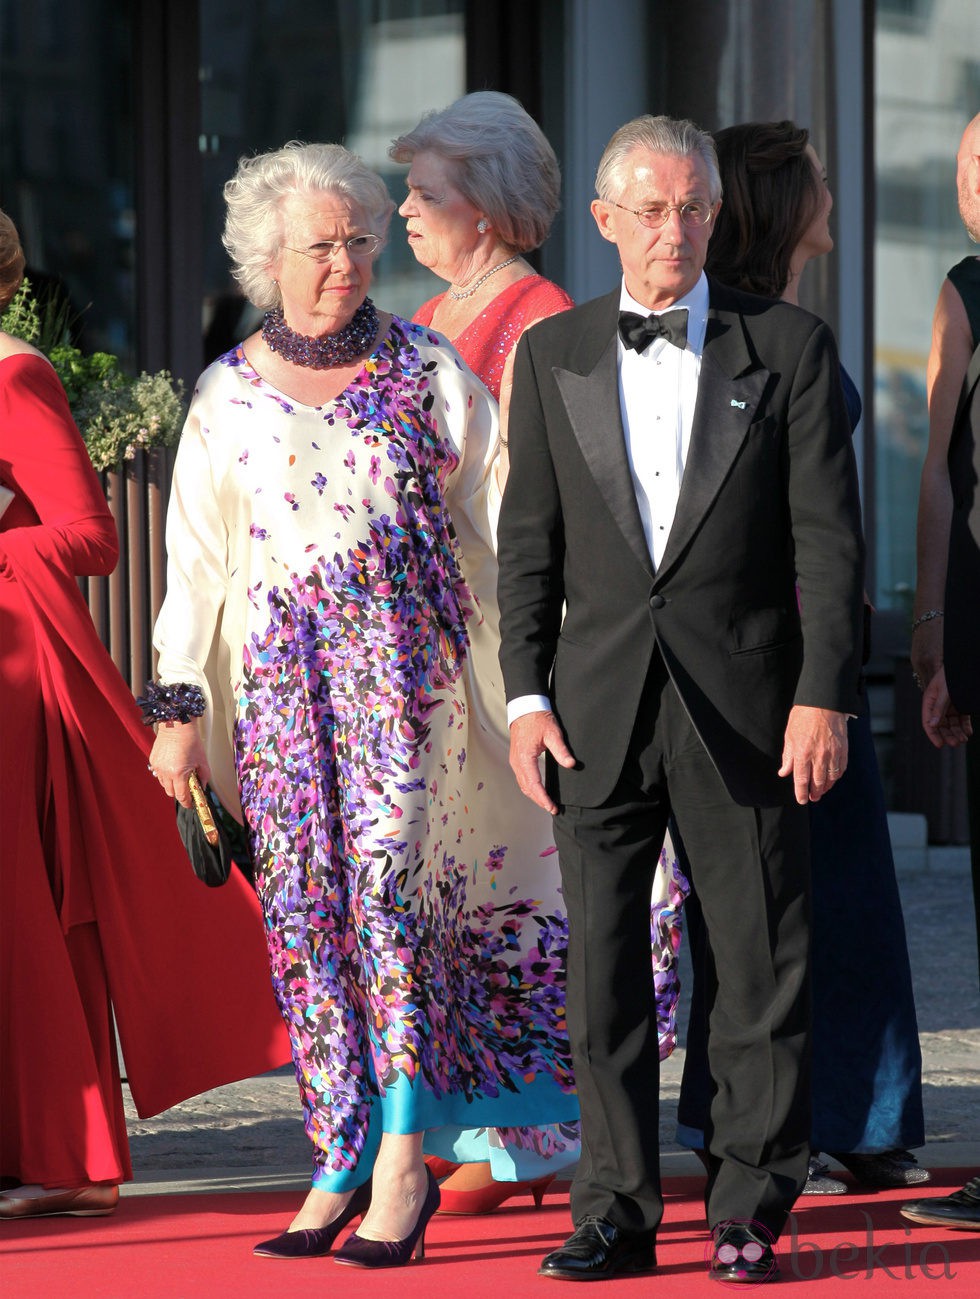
{"points": [[356, 245]]}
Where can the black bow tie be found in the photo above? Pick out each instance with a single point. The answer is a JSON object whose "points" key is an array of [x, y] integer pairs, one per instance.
{"points": [[638, 332]]}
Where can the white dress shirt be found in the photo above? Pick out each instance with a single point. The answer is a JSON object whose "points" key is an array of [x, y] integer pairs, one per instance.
{"points": [[658, 390]]}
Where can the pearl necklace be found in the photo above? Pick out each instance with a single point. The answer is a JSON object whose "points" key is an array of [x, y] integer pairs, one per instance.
{"points": [[468, 293], [329, 349]]}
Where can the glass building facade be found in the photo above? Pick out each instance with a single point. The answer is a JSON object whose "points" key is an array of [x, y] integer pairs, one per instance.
{"points": [[927, 87], [121, 121]]}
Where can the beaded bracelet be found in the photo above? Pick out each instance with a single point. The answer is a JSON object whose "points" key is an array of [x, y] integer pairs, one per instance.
{"points": [[176, 703], [927, 617]]}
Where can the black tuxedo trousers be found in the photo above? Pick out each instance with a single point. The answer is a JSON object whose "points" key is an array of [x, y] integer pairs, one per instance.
{"points": [[751, 869]]}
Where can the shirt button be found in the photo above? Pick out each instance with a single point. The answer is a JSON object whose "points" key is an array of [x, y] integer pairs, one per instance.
{"points": [[657, 601]]}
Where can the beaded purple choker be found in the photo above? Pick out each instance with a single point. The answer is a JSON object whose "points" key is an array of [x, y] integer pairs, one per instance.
{"points": [[330, 349]]}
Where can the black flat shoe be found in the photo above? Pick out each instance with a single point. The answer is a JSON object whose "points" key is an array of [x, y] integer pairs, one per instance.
{"points": [[961, 1209], [740, 1253], [316, 1242], [820, 1182], [598, 1249], [885, 1169]]}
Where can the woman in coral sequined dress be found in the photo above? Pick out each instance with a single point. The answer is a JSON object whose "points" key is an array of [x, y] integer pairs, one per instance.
{"points": [[483, 190]]}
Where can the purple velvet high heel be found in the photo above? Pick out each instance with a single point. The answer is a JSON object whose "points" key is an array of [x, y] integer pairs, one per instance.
{"points": [[358, 1252], [315, 1242]]}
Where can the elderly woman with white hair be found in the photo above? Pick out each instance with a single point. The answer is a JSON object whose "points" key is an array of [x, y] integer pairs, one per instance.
{"points": [[328, 654]]}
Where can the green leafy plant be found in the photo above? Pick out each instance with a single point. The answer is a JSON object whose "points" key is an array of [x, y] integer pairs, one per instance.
{"points": [[22, 318], [116, 414], [119, 416]]}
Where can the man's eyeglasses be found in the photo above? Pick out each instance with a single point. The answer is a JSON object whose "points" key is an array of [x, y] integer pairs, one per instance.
{"points": [[695, 213], [356, 245]]}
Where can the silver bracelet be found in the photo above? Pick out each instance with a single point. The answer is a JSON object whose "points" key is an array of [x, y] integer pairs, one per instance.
{"points": [[927, 617]]}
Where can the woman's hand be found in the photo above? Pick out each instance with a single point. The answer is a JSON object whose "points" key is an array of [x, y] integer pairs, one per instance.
{"points": [[943, 723], [177, 751]]}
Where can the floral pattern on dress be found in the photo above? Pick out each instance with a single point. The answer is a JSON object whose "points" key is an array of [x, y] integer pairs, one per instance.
{"points": [[666, 934], [411, 940]]}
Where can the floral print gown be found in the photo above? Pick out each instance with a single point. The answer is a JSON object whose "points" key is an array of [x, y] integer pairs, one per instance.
{"points": [[331, 587], [485, 345]]}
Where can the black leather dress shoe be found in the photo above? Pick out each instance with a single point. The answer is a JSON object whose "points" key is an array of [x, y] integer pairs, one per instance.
{"points": [[741, 1253], [961, 1209], [598, 1249]]}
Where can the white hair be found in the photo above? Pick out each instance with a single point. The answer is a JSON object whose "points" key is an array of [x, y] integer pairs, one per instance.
{"points": [[254, 223], [501, 162], [669, 136]]}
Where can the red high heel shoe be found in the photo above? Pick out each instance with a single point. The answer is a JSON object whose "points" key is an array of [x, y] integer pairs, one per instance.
{"points": [[485, 1199]]}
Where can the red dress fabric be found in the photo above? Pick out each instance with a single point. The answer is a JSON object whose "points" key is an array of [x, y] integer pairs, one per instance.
{"points": [[99, 909], [487, 341]]}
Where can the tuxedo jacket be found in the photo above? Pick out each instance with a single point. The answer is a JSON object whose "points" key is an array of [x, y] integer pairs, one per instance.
{"points": [[961, 625], [769, 499]]}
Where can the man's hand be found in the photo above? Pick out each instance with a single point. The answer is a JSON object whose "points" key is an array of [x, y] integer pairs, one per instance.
{"points": [[814, 751], [940, 720], [530, 736]]}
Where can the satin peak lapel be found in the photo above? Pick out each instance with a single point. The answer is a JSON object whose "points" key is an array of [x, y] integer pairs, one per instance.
{"points": [[592, 405], [726, 406]]}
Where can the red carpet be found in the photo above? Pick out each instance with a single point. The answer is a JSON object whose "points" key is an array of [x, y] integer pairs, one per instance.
{"points": [[191, 1246]]}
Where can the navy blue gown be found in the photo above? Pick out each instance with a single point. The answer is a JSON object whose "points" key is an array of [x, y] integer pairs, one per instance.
{"points": [[867, 1066]]}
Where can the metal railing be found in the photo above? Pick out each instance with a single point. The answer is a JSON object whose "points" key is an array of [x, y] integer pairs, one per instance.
{"points": [[125, 604]]}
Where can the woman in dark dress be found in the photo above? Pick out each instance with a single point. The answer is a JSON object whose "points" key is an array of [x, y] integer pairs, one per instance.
{"points": [[867, 1092]]}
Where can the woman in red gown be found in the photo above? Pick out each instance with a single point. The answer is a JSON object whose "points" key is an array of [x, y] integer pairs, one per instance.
{"points": [[101, 918]]}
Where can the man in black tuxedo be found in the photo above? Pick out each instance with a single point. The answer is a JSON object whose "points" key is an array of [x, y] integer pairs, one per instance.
{"points": [[673, 476]]}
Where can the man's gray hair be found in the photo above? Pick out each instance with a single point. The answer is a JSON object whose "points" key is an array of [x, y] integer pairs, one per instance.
{"points": [[500, 160], [254, 196], [674, 137]]}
